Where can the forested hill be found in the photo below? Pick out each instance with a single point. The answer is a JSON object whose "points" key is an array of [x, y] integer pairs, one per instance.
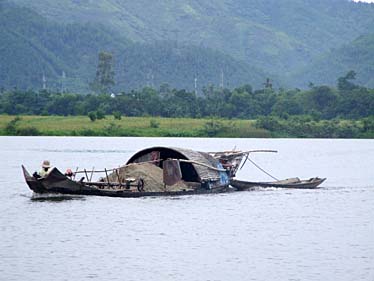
{"points": [[278, 36], [32, 46], [358, 55], [67, 56], [248, 40]]}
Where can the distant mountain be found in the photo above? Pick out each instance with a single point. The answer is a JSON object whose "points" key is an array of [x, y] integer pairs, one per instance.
{"points": [[278, 36], [357, 55], [33, 47], [163, 62], [173, 41], [66, 55]]}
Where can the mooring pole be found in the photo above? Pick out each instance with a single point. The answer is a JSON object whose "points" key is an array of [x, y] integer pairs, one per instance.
{"points": [[107, 177], [92, 172], [120, 185], [86, 174]]}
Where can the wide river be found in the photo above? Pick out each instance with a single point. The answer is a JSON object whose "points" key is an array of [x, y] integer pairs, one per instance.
{"points": [[266, 234]]}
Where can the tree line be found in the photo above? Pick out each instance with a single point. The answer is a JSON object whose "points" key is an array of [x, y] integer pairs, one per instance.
{"points": [[347, 101]]}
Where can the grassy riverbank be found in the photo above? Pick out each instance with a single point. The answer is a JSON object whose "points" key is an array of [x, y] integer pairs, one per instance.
{"points": [[305, 126], [264, 127], [129, 126]]}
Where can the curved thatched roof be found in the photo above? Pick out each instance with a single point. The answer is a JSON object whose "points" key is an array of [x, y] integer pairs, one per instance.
{"points": [[191, 170]]}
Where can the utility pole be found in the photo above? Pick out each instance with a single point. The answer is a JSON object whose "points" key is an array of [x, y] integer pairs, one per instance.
{"points": [[63, 77], [150, 79], [195, 85], [268, 84], [221, 84], [176, 33], [44, 79]]}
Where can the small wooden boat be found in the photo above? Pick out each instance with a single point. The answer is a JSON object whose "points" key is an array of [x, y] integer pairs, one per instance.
{"points": [[296, 183]]}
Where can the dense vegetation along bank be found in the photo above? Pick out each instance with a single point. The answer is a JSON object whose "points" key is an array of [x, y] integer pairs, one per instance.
{"points": [[128, 126], [346, 101], [346, 111], [264, 127]]}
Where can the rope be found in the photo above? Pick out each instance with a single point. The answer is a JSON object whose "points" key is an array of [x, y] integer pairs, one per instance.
{"points": [[262, 170], [251, 151]]}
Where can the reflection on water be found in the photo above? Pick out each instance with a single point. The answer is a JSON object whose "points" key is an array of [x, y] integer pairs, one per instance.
{"points": [[264, 234], [53, 197]]}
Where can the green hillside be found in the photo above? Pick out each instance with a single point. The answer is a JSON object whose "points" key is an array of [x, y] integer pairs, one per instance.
{"points": [[278, 36], [162, 62], [357, 55], [155, 42], [33, 46], [66, 54]]}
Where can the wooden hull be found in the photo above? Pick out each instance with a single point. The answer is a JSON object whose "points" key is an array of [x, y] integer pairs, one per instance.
{"points": [[292, 183], [56, 182]]}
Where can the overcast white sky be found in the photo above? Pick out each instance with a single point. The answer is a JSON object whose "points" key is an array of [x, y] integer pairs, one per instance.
{"points": [[367, 1]]}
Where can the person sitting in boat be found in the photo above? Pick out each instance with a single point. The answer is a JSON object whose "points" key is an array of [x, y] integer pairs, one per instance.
{"points": [[46, 169], [69, 173]]}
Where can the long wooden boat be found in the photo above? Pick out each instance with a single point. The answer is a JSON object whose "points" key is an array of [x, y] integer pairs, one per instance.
{"points": [[295, 183], [56, 182], [175, 171], [161, 171]]}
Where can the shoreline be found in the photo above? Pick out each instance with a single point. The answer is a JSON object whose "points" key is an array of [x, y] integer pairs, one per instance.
{"points": [[263, 127]]}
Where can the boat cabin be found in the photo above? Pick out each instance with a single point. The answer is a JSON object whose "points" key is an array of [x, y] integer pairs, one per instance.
{"points": [[194, 167]]}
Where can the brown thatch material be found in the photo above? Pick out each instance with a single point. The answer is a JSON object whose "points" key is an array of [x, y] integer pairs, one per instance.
{"points": [[151, 174], [200, 172]]}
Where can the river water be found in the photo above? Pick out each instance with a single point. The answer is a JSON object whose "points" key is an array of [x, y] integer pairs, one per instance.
{"points": [[272, 234]]}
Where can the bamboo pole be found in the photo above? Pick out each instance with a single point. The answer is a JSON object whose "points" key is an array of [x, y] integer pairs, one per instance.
{"points": [[107, 177], [86, 174], [93, 168], [234, 153], [118, 177], [76, 170], [111, 170], [201, 164], [100, 183], [84, 171], [252, 151]]}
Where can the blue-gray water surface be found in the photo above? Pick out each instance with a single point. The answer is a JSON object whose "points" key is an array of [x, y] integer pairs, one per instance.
{"points": [[266, 234]]}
